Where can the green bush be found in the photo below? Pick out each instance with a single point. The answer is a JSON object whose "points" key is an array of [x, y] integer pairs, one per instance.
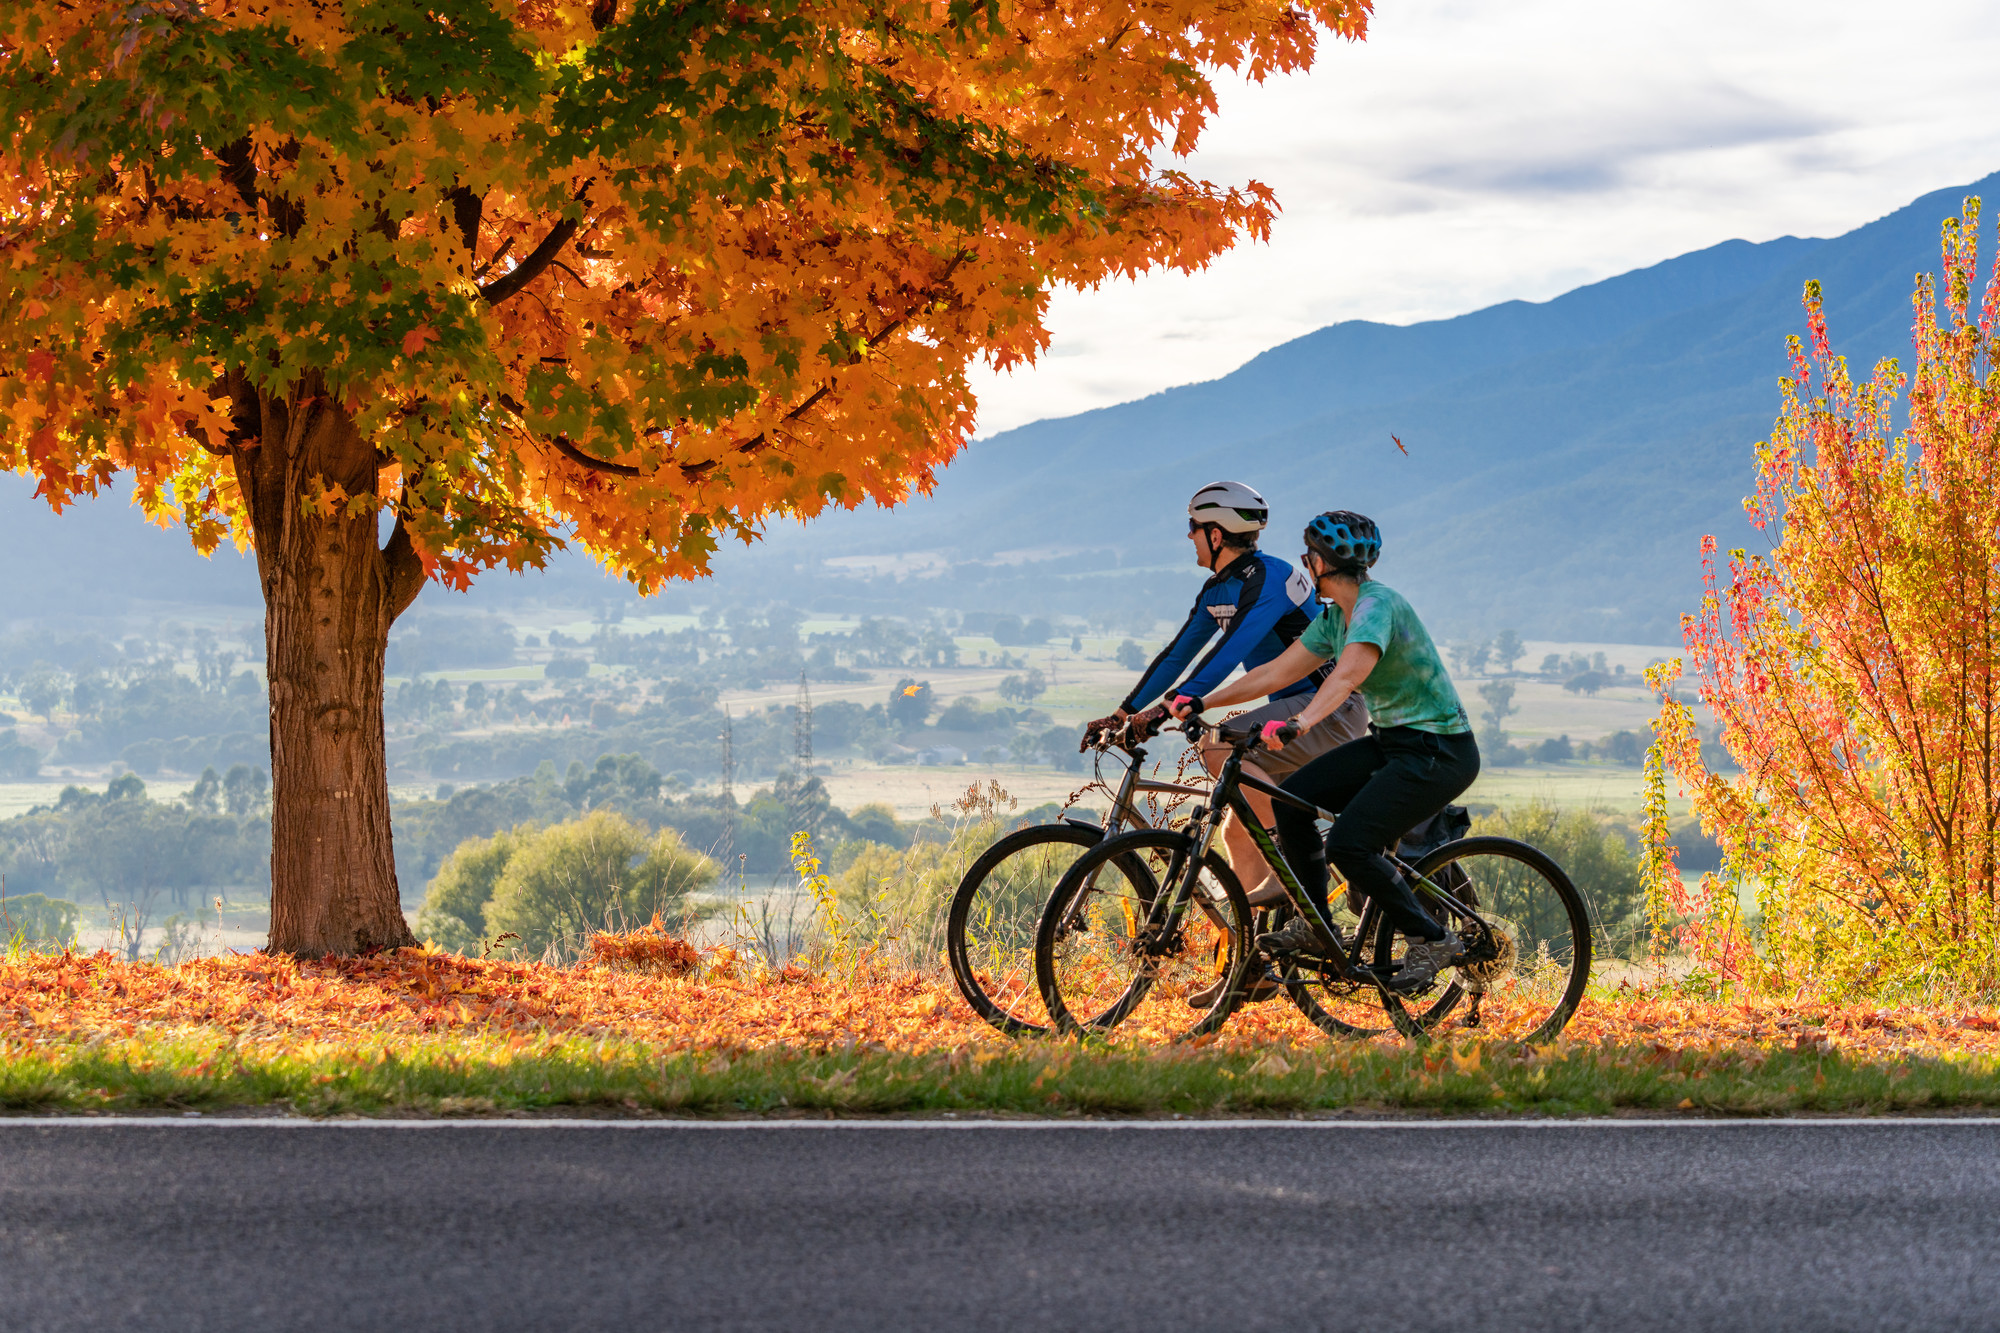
{"points": [[454, 912], [595, 873], [898, 900], [37, 921], [886, 895], [1596, 856]]}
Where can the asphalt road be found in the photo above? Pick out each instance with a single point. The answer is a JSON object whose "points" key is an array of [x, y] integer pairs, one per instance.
{"points": [[1795, 1225]]}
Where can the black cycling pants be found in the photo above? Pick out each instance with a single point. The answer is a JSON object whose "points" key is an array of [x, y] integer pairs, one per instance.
{"points": [[1379, 786]]}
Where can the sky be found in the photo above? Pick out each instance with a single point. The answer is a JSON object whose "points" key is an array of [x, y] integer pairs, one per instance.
{"points": [[1470, 153]]}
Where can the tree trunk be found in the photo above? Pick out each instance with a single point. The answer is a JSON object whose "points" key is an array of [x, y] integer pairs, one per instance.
{"points": [[330, 595]]}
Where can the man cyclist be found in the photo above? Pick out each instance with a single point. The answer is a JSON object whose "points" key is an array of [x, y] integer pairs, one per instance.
{"points": [[1259, 605], [1418, 756]]}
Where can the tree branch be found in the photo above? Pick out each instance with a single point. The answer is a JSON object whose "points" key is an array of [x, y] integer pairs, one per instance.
{"points": [[246, 417], [498, 255], [761, 438], [404, 570], [240, 171], [532, 265], [582, 459], [466, 208], [564, 446]]}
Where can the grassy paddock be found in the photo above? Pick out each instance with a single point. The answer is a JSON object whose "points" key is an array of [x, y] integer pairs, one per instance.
{"points": [[472, 1076]]}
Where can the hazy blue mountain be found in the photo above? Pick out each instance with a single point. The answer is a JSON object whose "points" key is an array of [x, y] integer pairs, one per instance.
{"points": [[1564, 459]]}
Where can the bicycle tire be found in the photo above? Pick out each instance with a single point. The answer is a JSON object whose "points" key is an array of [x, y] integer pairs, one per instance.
{"points": [[1092, 980], [1003, 1004], [1328, 1017], [1555, 921]]}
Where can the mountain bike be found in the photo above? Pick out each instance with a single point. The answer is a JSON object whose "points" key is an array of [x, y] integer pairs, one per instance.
{"points": [[990, 932], [1148, 920]]}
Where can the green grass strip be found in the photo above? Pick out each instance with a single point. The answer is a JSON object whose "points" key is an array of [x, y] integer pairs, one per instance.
{"points": [[491, 1076]]}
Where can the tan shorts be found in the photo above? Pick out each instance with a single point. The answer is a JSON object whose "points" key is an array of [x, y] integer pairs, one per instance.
{"points": [[1346, 723]]}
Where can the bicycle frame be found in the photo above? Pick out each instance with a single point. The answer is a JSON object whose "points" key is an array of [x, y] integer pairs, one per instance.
{"points": [[1124, 810], [1226, 796]]}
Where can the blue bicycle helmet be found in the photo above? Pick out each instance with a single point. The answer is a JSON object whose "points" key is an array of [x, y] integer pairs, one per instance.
{"points": [[1348, 542]]}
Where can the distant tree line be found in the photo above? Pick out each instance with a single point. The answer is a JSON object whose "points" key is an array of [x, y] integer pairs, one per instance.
{"points": [[127, 858], [176, 703]]}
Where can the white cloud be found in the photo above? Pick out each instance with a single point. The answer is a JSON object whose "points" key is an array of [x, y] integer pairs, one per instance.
{"points": [[1473, 153]]}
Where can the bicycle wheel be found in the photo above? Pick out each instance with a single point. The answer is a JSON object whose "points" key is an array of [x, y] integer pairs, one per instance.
{"points": [[1353, 1009], [990, 933], [1099, 964], [1526, 978]]}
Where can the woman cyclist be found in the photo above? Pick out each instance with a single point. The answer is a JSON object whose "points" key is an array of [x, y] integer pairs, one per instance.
{"points": [[1419, 754]]}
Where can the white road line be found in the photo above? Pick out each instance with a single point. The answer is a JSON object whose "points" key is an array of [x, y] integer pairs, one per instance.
{"points": [[971, 1122]]}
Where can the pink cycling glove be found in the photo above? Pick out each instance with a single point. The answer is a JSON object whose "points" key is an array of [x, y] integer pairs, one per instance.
{"points": [[1273, 734]]}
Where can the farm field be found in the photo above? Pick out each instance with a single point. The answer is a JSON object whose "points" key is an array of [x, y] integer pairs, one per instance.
{"points": [[1088, 684]]}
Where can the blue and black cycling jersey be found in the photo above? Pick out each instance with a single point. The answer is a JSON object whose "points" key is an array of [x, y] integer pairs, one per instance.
{"points": [[1260, 604]]}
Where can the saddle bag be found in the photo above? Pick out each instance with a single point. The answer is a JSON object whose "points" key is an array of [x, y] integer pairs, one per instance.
{"points": [[1447, 825]]}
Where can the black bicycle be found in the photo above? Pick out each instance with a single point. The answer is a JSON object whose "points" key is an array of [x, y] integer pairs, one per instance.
{"points": [[990, 932], [1155, 923]]}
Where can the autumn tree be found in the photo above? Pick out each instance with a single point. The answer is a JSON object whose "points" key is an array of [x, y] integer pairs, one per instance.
{"points": [[1853, 669], [393, 291]]}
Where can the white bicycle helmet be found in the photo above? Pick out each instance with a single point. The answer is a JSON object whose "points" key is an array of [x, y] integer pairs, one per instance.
{"points": [[1231, 506]]}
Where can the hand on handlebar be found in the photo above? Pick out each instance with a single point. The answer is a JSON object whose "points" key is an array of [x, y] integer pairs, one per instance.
{"points": [[1144, 726], [1277, 735], [1101, 732], [1186, 706]]}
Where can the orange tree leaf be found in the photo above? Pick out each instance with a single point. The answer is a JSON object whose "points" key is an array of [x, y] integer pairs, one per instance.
{"points": [[637, 275]]}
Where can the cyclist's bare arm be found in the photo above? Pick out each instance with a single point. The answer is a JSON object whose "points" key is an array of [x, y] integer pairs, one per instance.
{"points": [[1356, 661]]}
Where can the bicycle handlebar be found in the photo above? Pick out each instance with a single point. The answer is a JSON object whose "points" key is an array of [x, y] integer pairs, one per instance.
{"points": [[1114, 738], [1239, 739], [1193, 728], [1235, 737]]}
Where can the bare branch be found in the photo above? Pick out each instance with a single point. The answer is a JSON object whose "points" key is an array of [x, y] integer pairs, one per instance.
{"points": [[403, 568], [564, 446], [498, 255], [582, 459], [466, 208], [532, 266]]}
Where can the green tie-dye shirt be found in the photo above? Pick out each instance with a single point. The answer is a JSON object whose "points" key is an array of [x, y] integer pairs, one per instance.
{"points": [[1409, 686]]}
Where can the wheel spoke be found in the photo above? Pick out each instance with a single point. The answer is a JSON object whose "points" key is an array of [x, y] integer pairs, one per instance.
{"points": [[1353, 1009], [991, 932], [1106, 957], [1528, 974]]}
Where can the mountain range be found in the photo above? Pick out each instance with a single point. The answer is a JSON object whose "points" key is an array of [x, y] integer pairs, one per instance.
{"points": [[1564, 457], [1559, 462]]}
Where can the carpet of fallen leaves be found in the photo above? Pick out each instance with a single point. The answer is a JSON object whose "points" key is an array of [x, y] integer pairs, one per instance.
{"points": [[253, 997]]}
